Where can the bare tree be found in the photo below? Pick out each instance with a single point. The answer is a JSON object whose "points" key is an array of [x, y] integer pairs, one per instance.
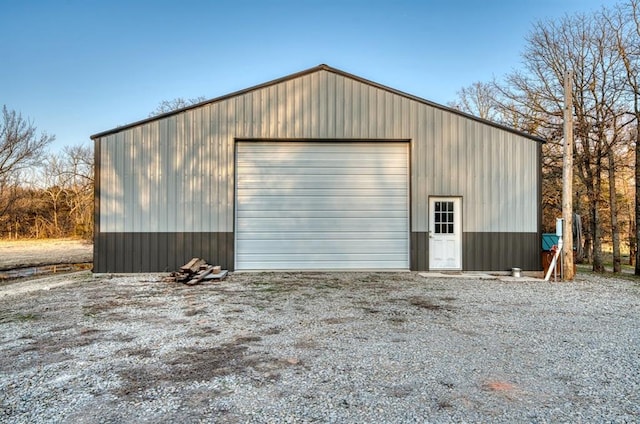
{"points": [[166, 106], [626, 185], [53, 181], [584, 45], [613, 210], [20, 148], [78, 167], [478, 99], [625, 22]]}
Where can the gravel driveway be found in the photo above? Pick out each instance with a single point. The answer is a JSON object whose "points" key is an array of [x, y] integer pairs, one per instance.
{"points": [[312, 347]]}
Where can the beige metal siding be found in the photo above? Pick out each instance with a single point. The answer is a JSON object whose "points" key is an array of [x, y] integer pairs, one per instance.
{"points": [[177, 173]]}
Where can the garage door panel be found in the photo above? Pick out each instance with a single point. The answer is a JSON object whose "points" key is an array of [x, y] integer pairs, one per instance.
{"points": [[322, 205], [341, 160], [321, 182], [311, 224], [333, 262], [299, 247], [321, 257], [323, 235], [253, 193], [322, 155], [324, 170], [316, 266], [305, 148], [322, 214]]}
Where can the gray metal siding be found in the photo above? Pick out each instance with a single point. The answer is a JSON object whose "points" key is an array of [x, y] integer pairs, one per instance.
{"points": [[176, 174], [160, 252], [501, 251], [485, 251], [419, 251], [96, 199]]}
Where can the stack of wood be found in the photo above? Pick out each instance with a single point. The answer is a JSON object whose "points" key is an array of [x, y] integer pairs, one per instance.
{"points": [[195, 271]]}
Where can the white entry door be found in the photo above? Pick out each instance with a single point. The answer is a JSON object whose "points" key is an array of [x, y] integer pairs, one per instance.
{"points": [[445, 233]]}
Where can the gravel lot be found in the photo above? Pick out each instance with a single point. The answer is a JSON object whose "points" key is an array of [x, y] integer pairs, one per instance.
{"points": [[314, 347]]}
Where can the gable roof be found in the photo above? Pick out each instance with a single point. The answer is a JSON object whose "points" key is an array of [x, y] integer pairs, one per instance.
{"points": [[321, 67]]}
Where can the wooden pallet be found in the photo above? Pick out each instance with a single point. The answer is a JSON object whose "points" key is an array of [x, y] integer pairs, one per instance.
{"points": [[195, 271]]}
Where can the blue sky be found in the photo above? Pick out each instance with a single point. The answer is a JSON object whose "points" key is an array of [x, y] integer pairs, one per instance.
{"points": [[79, 67]]}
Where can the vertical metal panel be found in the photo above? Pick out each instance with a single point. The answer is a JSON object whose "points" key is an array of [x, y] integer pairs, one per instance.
{"points": [[172, 165], [500, 251], [321, 129], [349, 109], [419, 251], [166, 251], [97, 184], [224, 135], [339, 105], [176, 174]]}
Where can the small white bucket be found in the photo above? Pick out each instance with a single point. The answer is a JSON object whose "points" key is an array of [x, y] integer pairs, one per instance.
{"points": [[516, 272]]}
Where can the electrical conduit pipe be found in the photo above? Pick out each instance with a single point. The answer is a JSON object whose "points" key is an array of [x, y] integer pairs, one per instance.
{"points": [[552, 266]]}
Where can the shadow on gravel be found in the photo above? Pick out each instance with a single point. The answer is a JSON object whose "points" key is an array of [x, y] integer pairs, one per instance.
{"points": [[198, 363]]}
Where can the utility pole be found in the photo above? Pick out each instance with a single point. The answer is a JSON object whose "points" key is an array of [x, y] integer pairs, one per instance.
{"points": [[567, 179]]}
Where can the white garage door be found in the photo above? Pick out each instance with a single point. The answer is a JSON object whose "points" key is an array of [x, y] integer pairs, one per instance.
{"points": [[321, 205]]}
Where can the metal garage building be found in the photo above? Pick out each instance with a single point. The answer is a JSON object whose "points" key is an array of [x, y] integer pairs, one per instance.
{"points": [[317, 170]]}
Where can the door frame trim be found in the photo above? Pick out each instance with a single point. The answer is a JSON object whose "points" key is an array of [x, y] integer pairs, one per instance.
{"points": [[460, 235]]}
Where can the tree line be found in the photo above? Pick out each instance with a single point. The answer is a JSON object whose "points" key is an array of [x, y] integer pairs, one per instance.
{"points": [[42, 194], [602, 51]]}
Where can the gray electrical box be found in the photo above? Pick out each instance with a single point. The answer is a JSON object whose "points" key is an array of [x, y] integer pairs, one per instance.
{"points": [[559, 222]]}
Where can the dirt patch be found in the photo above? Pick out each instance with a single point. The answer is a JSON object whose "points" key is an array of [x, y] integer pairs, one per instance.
{"points": [[8, 317], [198, 363], [428, 303]]}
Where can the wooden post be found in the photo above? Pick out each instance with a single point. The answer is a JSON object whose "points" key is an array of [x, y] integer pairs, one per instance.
{"points": [[567, 179]]}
